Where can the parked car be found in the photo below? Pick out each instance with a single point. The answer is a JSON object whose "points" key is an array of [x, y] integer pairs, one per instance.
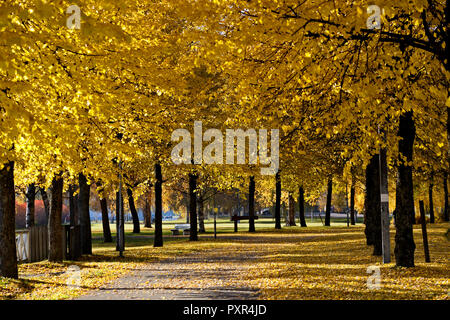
{"points": [[265, 213]]}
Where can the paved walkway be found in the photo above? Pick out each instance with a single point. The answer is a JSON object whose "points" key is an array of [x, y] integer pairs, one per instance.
{"points": [[190, 277]]}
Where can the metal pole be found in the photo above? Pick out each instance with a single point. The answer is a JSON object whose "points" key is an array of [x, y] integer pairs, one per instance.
{"points": [[424, 232], [346, 204], [384, 195]]}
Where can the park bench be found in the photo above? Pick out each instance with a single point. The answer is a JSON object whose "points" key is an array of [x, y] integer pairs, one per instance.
{"points": [[237, 218], [181, 227]]}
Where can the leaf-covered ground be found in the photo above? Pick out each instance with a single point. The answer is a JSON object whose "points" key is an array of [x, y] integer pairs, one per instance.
{"points": [[293, 263]]}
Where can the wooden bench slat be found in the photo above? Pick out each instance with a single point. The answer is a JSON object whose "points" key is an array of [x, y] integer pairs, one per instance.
{"points": [[235, 218]]}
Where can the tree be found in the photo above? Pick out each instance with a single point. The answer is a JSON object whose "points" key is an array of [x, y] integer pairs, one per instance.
{"points": [[301, 206], [251, 204], [404, 241], [193, 206], [158, 241], [55, 229], [85, 215], [147, 209], [372, 206], [45, 201], [105, 220], [291, 212], [134, 214], [352, 204], [8, 259], [30, 196], [75, 234]]}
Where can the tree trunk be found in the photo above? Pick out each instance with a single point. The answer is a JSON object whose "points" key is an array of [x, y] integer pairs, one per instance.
{"points": [[105, 221], [201, 216], [55, 230], [446, 207], [30, 197], [278, 201], [147, 210], [251, 205], [8, 258], [328, 208], [301, 206], [85, 218], [193, 207], [187, 211], [147, 215], [75, 236], [404, 241], [352, 205], [372, 205], [45, 200], [134, 214], [430, 201], [291, 217], [158, 241], [73, 208]]}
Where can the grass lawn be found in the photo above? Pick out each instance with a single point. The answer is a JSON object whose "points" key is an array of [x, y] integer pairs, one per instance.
{"points": [[293, 263]]}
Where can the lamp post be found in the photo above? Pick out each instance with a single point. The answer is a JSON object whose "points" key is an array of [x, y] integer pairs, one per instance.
{"points": [[384, 196], [120, 232], [346, 204]]}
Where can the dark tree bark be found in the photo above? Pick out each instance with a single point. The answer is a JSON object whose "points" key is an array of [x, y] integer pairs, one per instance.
{"points": [[158, 241], [8, 259], [75, 240], [430, 201], [301, 206], [46, 202], [55, 230], [404, 241], [105, 221], [147, 210], [30, 196], [278, 201], [329, 196], [134, 214], [73, 208], [85, 218], [193, 207], [291, 212], [372, 206], [147, 215], [201, 216], [251, 205], [352, 205], [446, 207]]}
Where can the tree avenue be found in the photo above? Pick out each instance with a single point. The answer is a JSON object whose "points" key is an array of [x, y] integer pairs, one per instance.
{"points": [[136, 77]]}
